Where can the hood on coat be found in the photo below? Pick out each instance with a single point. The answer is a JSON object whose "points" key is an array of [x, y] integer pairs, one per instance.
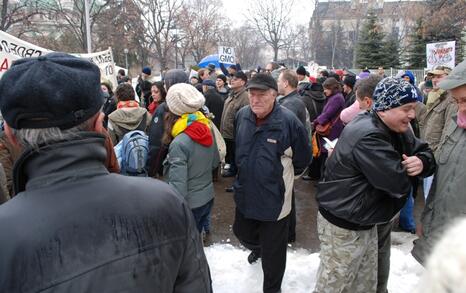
{"points": [[409, 74], [128, 118]]}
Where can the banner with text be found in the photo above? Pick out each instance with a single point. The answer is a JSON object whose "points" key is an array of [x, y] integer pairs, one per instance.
{"points": [[441, 54], [226, 55], [12, 48]]}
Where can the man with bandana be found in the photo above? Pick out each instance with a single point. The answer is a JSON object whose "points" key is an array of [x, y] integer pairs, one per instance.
{"points": [[367, 180]]}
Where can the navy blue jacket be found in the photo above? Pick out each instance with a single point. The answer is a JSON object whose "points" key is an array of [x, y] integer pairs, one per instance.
{"points": [[263, 186]]}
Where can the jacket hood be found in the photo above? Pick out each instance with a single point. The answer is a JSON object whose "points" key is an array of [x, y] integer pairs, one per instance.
{"points": [[200, 133], [175, 76], [409, 74], [128, 118], [315, 91]]}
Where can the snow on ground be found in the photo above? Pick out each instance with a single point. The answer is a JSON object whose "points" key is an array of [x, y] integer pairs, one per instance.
{"points": [[231, 272]]}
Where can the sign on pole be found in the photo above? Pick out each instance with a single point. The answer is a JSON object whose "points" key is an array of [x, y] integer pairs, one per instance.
{"points": [[440, 54], [12, 48], [226, 55]]}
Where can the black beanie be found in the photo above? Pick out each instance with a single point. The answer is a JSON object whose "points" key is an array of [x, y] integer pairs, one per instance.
{"points": [[349, 80], [222, 77], [54, 90], [301, 70]]}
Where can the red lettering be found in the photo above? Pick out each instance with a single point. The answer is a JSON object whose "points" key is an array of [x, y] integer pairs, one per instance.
{"points": [[4, 66]]}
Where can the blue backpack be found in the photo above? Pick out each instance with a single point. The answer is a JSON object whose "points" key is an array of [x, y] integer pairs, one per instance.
{"points": [[134, 150]]}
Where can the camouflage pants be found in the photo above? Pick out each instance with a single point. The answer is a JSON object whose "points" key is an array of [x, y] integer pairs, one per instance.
{"points": [[348, 259]]}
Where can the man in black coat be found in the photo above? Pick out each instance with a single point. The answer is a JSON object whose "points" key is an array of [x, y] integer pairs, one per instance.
{"points": [[73, 227], [213, 101]]}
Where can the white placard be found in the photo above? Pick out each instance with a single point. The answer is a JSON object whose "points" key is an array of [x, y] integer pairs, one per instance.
{"points": [[12, 48], [226, 55], [440, 54]]}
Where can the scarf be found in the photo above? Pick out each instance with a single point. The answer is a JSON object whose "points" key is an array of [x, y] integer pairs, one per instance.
{"points": [[433, 97], [196, 126], [127, 104]]}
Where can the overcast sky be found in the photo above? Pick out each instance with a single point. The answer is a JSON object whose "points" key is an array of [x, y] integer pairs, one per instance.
{"points": [[235, 10]]}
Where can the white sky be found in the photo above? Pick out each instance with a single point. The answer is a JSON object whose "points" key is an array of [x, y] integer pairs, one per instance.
{"points": [[235, 10]]}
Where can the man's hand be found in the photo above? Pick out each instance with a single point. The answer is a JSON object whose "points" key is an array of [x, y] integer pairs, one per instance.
{"points": [[413, 165]]}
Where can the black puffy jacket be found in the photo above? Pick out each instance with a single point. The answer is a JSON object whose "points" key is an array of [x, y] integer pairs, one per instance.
{"points": [[76, 228], [364, 182]]}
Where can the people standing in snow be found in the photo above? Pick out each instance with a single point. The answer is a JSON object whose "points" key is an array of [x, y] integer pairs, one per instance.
{"points": [[366, 182], [192, 153], [272, 146]]}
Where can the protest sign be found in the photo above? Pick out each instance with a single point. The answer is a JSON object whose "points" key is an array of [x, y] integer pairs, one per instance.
{"points": [[440, 54], [12, 48], [226, 55]]}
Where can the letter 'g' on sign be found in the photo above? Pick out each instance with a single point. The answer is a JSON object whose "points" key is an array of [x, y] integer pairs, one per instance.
{"points": [[226, 55]]}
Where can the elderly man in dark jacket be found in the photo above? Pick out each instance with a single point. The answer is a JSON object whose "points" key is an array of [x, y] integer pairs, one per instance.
{"points": [[73, 227], [367, 180], [272, 146]]}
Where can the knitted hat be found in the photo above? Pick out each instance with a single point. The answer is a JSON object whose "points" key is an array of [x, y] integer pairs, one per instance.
{"points": [[208, 82], [349, 80], [54, 90], [392, 92], [147, 70], [211, 66], [222, 77], [183, 98], [301, 70]]}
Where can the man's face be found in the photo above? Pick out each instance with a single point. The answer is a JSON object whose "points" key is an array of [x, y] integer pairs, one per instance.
{"points": [[380, 71], [436, 79], [268, 68], [365, 103], [231, 71], [144, 76], [219, 82], [261, 101], [236, 83], [282, 85], [301, 77], [459, 95], [194, 81], [397, 119]]}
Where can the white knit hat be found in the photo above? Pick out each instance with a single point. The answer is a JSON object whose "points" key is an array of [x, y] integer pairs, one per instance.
{"points": [[183, 98]]}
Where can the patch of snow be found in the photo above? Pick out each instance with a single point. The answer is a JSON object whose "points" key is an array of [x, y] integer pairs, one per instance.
{"points": [[232, 273]]}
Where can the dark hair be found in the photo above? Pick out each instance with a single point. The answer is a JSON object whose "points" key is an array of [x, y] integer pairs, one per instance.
{"points": [[365, 87], [291, 77], [108, 86], [168, 121], [122, 72], [324, 73], [124, 92], [160, 86], [334, 75], [332, 84], [222, 77]]}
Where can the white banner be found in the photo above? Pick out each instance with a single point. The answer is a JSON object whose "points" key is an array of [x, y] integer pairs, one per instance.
{"points": [[12, 48], [226, 55], [440, 54]]}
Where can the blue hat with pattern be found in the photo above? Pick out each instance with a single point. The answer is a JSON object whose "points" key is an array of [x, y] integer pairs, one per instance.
{"points": [[392, 92]]}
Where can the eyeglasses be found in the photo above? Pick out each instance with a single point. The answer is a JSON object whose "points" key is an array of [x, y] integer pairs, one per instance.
{"points": [[460, 100]]}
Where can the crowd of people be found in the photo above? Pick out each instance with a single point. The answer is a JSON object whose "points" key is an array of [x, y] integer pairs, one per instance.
{"points": [[110, 188]]}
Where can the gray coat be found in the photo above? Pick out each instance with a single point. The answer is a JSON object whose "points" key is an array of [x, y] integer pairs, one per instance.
{"points": [[189, 168], [447, 198]]}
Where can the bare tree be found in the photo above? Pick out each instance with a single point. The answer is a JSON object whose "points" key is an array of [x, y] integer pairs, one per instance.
{"points": [[201, 21], [159, 19], [248, 46], [70, 17], [271, 18], [16, 12]]}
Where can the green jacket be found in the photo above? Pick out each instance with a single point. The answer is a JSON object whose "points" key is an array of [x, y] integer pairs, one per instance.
{"points": [[447, 198], [232, 105], [189, 168]]}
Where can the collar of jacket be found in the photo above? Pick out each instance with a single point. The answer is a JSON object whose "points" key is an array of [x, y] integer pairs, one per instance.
{"points": [[292, 94], [274, 120], [59, 162], [234, 94]]}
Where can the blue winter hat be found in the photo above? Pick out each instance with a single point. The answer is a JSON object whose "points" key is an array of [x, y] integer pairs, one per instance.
{"points": [[392, 92], [147, 70]]}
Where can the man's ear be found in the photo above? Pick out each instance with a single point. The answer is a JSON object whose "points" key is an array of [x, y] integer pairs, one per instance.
{"points": [[99, 123], [11, 137]]}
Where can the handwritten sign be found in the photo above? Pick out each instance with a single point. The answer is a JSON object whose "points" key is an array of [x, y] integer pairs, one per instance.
{"points": [[440, 54]]}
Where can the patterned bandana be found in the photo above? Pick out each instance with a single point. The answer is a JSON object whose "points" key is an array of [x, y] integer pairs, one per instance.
{"points": [[127, 104], [392, 92]]}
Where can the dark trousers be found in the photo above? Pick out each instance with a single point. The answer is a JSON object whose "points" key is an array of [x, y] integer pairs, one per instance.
{"points": [[269, 239], [383, 256], [202, 215], [230, 156]]}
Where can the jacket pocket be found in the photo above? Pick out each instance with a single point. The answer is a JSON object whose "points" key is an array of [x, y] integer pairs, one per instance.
{"points": [[444, 151]]}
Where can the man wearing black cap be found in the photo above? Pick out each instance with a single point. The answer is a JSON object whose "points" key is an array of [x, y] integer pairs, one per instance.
{"points": [[272, 146], [73, 227], [238, 98]]}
